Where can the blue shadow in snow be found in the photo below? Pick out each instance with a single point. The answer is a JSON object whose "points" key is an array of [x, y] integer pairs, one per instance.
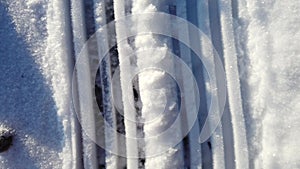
{"points": [[26, 102]]}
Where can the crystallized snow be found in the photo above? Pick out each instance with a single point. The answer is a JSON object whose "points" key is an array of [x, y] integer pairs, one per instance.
{"points": [[271, 65], [233, 86], [26, 96], [125, 51], [158, 94], [36, 67], [36, 90]]}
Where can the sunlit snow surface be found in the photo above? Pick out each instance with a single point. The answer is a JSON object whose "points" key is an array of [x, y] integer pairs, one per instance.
{"points": [[35, 94], [35, 85], [26, 98], [270, 69]]}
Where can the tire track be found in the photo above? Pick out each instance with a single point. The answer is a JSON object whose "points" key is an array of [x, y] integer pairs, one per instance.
{"points": [[113, 61]]}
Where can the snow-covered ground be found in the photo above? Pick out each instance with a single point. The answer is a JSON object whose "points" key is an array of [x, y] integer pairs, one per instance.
{"points": [[35, 85], [268, 34], [257, 42]]}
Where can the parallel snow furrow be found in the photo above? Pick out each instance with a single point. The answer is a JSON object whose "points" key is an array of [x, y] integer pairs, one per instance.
{"points": [[216, 36], [110, 74], [102, 16], [84, 89], [125, 51], [79, 38], [216, 140], [193, 150], [233, 85], [59, 30]]}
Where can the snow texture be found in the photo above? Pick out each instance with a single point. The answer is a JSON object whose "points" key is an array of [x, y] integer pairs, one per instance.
{"points": [[269, 62], [261, 53]]}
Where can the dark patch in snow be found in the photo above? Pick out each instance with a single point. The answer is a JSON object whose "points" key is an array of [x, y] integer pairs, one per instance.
{"points": [[6, 139]]}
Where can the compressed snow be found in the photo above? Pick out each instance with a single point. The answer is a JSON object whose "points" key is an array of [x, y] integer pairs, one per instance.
{"points": [[158, 93], [124, 51]]}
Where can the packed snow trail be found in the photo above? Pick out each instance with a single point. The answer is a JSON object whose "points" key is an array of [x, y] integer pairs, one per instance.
{"points": [[157, 92]]}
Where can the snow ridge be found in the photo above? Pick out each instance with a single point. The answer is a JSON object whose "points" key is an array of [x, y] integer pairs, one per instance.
{"points": [[233, 83]]}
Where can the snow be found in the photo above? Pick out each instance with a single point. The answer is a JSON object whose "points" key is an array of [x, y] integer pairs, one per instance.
{"points": [[271, 66], [111, 138], [188, 105], [259, 43], [233, 85], [126, 85], [216, 139], [79, 38], [152, 51], [29, 104], [38, 106], [59, 70]]}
